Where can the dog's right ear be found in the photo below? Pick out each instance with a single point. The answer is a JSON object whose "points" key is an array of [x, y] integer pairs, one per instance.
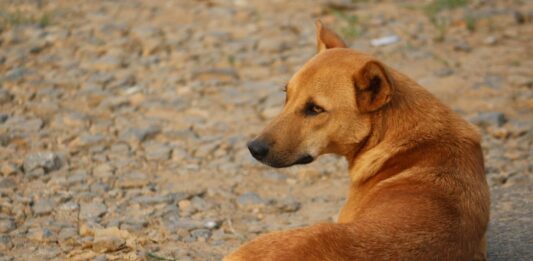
{"points": [[373, 86], [326, 39]]}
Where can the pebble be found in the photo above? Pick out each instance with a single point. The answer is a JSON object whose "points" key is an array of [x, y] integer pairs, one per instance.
{"points": [[67, 237], [132, 179], [7, 225], [104, 170], [462, 46], [46, 160], [139, 134], [201, 233], [211, 224], [42, 235], [5, 242], [5, 96], [110, 243], [272, 45], [443, 72], [3, 117], [288, 205], [8, 168], [153, 200], [157, 151], [43, 206], [485, 119], [7, 184], [89, 211], [386, 40], [250, 199], [106, 63]]}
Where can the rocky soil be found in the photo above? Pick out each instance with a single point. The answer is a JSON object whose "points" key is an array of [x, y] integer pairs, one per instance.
{"points": [[123, 123]]}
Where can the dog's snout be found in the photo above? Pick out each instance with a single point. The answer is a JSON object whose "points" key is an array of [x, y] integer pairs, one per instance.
{"points": [[258, 148]]}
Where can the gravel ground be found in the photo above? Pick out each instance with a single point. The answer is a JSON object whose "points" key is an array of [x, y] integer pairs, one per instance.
{"points": [[123, 123]]}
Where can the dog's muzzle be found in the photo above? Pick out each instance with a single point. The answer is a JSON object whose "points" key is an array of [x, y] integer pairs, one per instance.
{"points": [[260, 150]]}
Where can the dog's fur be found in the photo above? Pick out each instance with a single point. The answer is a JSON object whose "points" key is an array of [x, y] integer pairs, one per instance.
{"points": [[418, 189]]}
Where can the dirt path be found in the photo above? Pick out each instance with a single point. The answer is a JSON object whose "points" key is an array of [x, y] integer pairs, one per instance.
{"points": [[123, 123]]}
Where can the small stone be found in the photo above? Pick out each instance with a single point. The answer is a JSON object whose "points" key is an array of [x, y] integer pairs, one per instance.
{"points": [[273, 175], [443, 72], [462, 46], [43, 207], [109, 239], [6, 258], [67, 236], [5, 96], [272, 45], [8, 168], [521, 81], [107, 63], [211, 224], [288, 205], [184, 204], [200, 203], [519, 17], [77, 177], [104, 244], [26, 125], [220, 74], [204, 150], [493, 81], [250, 199], [7, 225], [16, 74], [3, 117], [139, 134], [49, 161], [87, 139], [100, 258], [150, 38], [486, 119], [201, 233], [133, 179], [75, 119], [7, 184], [490, 40], [89, 211], [87, 228], [103, 171], [5, 242], [153, 200], [41, 235], [157, 151]]}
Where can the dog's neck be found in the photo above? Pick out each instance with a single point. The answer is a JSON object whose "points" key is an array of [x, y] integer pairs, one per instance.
{"points": [[396, 129]]}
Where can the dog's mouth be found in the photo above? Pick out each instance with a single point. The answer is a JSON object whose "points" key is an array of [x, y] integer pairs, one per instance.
{"points": [[305, 159]]}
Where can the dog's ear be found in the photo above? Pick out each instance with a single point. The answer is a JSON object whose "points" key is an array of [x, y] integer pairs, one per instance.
{"points": [[373, 86], [326, 39]]}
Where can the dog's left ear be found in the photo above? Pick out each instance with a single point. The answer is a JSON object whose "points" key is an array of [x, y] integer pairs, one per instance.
{"points": [[373, 86], [326, 39]]}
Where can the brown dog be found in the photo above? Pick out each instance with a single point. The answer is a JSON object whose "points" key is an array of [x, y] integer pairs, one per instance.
{"points": [[418, 189]]}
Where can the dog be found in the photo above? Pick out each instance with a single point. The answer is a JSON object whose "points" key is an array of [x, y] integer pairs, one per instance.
{"points": [[418, 189]]}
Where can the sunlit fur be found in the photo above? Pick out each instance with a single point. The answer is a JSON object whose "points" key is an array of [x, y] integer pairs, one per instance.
{"points": [[418, 188]]}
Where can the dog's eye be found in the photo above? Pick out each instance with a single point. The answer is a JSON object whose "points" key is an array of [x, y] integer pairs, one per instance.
{"points": [[313, 109]]}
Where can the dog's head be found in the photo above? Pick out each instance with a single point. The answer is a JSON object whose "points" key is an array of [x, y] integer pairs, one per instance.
{"points": [[328, 106]]}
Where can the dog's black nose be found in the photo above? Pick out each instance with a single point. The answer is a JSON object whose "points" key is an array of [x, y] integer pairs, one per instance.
{"points": [[258, 148]]}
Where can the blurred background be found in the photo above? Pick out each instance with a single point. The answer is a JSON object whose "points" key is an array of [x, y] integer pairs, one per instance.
{"points": [[123, 123]]}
